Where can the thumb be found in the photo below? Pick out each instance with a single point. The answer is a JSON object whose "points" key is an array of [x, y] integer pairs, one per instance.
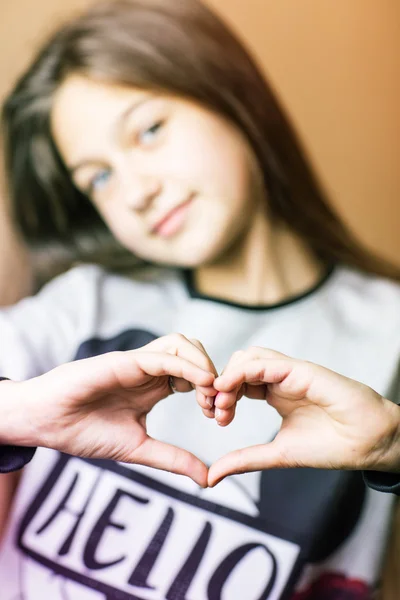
{"points": [[253, 458], [160, 455]]}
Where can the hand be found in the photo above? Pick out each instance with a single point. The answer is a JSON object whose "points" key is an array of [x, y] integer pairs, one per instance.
{"points": [[97, 407], [329, 421]]}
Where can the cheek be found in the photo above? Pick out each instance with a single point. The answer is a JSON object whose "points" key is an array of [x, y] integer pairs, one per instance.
{"points": [[211, 158], [122, 223], [227, 171]]}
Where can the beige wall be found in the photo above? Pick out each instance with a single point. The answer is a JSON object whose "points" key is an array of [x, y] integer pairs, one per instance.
{"points": [[336, 66]]}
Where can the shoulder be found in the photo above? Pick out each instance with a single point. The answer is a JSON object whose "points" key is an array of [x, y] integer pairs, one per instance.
{"points": [[370, 294], [66, 293], [83, 276], [366, 298], [42, 331], [89, 289]]}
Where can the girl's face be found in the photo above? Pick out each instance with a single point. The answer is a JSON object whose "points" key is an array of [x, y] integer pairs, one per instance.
{"points": [[175, 182]]}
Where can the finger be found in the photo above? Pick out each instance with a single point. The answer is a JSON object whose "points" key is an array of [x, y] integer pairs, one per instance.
{"points": [[156, 454], [209, 413], [191, 350], [254, 371], [257, 391], [252, 353], [129, 369], [205, 397], [237, 357], [181, 385], [204, 401], [226, 400], [200, 347], [204, 394], [225, 417], [246, 460], [260, 352], [160, 364]]}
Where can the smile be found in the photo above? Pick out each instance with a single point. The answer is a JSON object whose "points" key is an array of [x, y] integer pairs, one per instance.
{"points": [[174, 220]]}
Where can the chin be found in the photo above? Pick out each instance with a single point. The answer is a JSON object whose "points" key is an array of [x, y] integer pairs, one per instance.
{"points": [[195, 258], [185, 254], [187, 263], [184, 261]]}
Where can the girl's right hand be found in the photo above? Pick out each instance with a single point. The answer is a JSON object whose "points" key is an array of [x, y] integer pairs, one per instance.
{"points": [[97, 407]]}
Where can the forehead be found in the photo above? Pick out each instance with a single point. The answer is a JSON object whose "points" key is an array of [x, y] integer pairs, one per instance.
{"points": [[84, 111]]}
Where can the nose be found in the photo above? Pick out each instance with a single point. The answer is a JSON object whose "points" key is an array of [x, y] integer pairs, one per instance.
{"points": [[140, 192]]}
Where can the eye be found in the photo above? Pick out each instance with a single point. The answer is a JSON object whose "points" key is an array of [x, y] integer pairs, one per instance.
{"points": [[99, 180], [147, 136]]}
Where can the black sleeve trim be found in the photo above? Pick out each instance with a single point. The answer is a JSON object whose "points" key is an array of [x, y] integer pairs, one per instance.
{"points": [[13, 458], [382, 481]]}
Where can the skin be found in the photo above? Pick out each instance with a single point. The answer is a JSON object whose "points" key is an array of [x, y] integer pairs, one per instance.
{"points": [[138, 156], [328, 420], [142, 154], [97, 407]]}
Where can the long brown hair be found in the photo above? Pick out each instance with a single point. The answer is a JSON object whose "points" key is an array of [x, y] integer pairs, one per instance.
{"points": [[166, 45]]}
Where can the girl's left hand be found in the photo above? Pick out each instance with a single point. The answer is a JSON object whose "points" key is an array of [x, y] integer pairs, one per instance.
{"points": [[329, 421]]}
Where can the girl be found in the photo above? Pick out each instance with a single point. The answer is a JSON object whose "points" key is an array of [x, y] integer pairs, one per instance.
{"points": [[144, 138]]}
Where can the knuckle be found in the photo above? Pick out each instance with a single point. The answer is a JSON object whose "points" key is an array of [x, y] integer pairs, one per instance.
{"points": [[176, 336], [115, 357], [253, 351], [174, 341]]}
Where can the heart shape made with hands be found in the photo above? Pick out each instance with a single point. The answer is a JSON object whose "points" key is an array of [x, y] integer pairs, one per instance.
{"points": [[259, 374], [320, 410], [97, 407]]}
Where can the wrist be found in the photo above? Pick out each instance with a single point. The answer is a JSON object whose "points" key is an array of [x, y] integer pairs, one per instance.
{"points": [[385, 456], [15, 422]]}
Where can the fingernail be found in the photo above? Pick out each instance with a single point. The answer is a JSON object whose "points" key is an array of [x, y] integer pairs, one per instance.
{"points": [[218, 414], [210, 401]]}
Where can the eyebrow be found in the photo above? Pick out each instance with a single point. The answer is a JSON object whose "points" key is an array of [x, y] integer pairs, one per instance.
{"points": [[122, 118]]}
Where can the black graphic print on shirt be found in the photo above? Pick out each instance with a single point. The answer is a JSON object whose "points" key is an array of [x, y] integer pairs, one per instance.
{"points": [[126, 535]]}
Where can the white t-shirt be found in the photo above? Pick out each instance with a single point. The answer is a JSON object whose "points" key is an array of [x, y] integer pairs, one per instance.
{"points": [[99, 530]]}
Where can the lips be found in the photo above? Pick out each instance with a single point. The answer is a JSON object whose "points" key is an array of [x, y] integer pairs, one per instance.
{"points": [[173, 221]]}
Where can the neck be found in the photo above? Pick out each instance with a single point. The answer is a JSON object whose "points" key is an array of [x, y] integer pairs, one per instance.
{"points": [[268, 265]]}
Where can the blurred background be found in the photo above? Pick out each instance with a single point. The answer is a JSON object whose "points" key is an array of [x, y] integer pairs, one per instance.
{"points": [[335, 66]]}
